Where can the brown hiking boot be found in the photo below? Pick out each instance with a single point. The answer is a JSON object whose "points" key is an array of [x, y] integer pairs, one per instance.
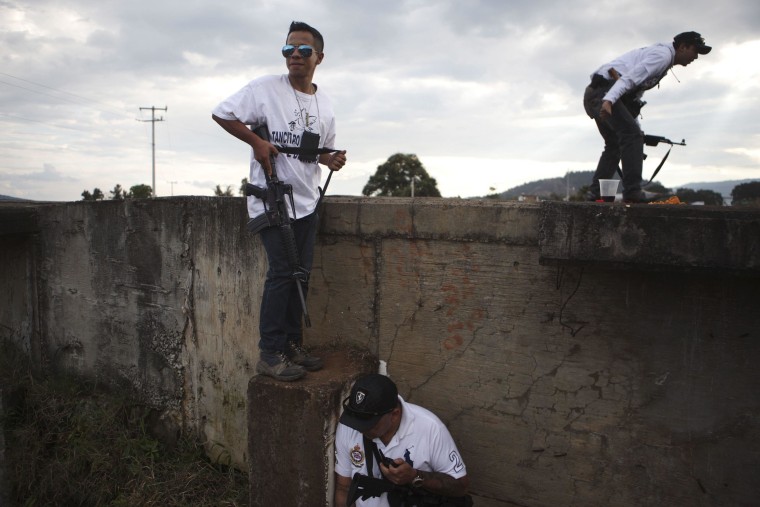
{"points": [[300, 355], [278, 366]]}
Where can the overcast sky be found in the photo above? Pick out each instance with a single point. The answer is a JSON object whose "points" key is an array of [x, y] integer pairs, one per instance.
{"points": [[486, 93]]}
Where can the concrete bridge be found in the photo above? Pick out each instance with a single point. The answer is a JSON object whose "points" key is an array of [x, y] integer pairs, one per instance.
{"points": [[580, 353]]}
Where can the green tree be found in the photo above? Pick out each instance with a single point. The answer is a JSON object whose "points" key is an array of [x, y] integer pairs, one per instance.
{"points": [[394, 179], [223, 193], [140, 192], [96, 195], [709, 197], [243, 183], [746, 194], [117, 194]]}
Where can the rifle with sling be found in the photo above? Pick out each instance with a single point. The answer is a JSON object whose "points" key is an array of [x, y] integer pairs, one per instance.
{"points": [[364, 487], [650, 140], [275, 197]]}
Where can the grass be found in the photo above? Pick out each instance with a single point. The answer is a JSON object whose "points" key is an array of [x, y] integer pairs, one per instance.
{"points": [[71, 443]]}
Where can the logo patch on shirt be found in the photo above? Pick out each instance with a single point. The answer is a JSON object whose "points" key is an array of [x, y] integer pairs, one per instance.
{"points": [[357, 456]]}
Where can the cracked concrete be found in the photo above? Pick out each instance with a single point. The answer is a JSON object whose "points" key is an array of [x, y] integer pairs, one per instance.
{"points": [[555, 378], [564, 380]]}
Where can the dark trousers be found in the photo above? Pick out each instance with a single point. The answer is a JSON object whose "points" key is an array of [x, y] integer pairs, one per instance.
{"points": [[281, 312], [623, 142]]}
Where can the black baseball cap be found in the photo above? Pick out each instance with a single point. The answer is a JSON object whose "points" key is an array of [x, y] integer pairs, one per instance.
{"points": [[692, 38], [372, 396]]}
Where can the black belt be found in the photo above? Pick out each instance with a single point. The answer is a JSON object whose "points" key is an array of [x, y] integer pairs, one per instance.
{"points": [[599, 81]]}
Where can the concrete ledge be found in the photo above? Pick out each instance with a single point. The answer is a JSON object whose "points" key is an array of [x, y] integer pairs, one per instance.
{"points": [[679, 237], [291, 429], [432, 218]]}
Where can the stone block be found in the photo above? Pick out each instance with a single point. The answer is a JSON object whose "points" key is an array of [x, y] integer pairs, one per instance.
{"points": [[291, 430]]}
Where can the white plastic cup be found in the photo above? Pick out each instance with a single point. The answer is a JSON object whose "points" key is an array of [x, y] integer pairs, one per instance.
{"points": [[608, 189]]}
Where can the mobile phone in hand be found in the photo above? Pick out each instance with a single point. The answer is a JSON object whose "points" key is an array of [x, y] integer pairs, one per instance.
{"points": [[386, 461]]}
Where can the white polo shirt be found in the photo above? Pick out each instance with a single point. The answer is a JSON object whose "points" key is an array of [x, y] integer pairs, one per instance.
{"points": [[422, 440]]}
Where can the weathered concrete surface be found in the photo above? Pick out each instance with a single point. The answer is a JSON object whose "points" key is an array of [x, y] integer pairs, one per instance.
{"points": [[5, 497], [563, 385], [156, 296], [292, 430], [563, 381], [652, 237]]}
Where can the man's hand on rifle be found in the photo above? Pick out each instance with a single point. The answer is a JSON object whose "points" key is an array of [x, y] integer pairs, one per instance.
{"points": [[334, 161], [263, 151]]}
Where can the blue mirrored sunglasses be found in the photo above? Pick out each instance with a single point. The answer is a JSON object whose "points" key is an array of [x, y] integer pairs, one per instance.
{"points": [[304, 50]]}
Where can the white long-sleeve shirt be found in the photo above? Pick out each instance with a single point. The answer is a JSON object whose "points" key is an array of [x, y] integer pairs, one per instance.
{"points": [[639, 69]]}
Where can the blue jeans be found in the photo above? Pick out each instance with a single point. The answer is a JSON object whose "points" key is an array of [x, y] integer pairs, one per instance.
{"points": [[281, 313]]}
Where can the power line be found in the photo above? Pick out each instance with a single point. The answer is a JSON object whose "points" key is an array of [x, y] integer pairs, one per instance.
{"points": [[153, 121], [79, 97], [47, 124]]}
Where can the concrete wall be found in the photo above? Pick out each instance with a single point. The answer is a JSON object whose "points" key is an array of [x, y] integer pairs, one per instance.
{"points": [[564, 384], [154, 296], [564, 379]]}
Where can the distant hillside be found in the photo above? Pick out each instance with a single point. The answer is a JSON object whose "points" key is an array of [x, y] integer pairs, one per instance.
{"points": [[10, 198], [724, 188], [571, 183], [574, 180]]}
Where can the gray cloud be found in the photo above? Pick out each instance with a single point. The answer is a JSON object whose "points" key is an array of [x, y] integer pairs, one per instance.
{"points": [[475, 81]]}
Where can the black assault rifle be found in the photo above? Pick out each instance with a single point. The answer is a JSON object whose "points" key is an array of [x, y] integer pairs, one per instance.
{"points": [[275, 198], [654, 141], [365, 487]]}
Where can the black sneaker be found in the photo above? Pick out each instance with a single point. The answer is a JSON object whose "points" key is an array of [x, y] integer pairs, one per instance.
{"points": [[301, 357], [277, 365]]}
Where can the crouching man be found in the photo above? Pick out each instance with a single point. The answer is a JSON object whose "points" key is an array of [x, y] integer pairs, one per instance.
{"points": [[391, 453]]}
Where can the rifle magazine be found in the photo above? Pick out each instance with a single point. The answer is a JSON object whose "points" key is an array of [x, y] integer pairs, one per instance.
{"points": [[261, 222]]}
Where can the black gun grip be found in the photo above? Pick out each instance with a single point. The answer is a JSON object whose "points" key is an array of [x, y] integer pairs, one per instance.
{"points": [[251, 189]]}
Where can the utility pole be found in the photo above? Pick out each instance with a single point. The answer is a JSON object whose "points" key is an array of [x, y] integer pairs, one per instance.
{"points": [[153, 121]]}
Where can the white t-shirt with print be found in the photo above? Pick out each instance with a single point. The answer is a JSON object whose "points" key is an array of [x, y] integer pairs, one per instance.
{"points": [[287, 113], [422, 440]]}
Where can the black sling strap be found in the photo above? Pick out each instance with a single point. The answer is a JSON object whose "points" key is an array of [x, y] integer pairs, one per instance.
{"points": [[659, 166], [370, 450], [297, 150], [662, 162]]}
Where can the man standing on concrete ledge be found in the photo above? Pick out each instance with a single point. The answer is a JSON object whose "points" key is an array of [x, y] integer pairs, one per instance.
{"points": [[298, 115], [398, 454], [613, 100]]}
